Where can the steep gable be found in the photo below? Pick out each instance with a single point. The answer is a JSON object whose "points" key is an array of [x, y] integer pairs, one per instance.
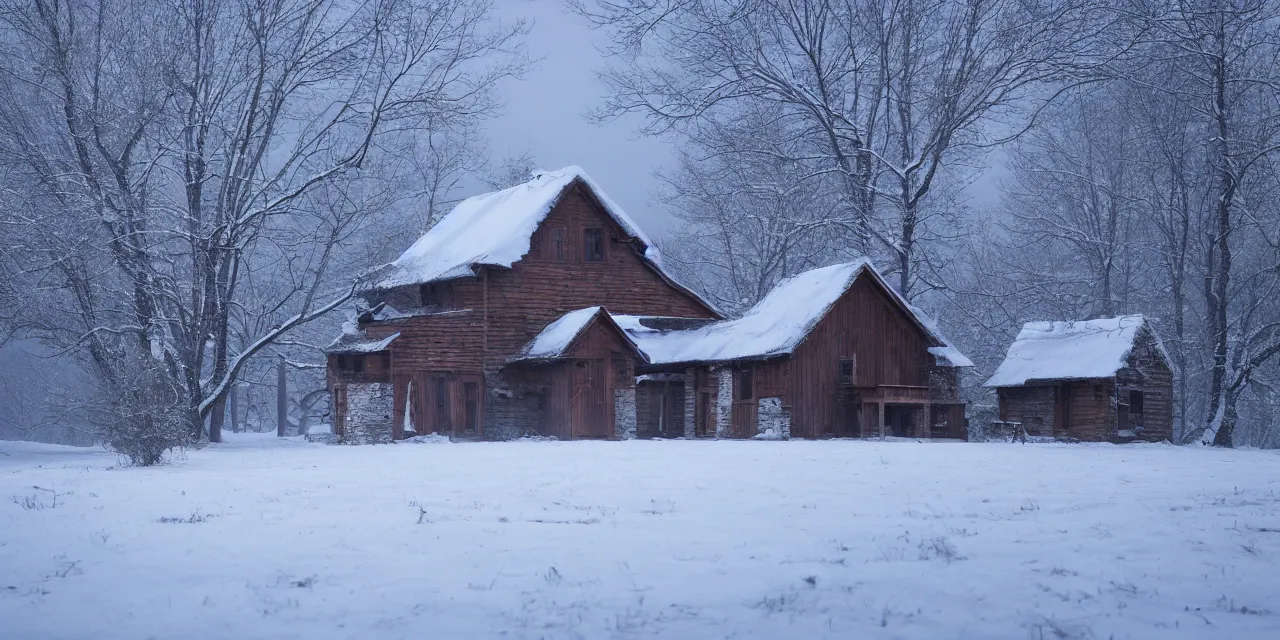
{"points": [[501, 228], [782, 320]]}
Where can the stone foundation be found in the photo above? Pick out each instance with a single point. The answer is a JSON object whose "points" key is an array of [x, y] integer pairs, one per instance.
{"points": [[624, 413], [773, 421], [369, 411], [724, 403]]}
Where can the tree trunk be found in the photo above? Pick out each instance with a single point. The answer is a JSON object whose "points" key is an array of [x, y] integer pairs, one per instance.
{"points": [[282, 400], [217, 416], [235, 409], [1220, 265]]}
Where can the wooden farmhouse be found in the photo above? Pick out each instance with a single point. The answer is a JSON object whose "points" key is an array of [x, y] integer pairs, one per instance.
{"points": [[544, 310], [1104, 380]]}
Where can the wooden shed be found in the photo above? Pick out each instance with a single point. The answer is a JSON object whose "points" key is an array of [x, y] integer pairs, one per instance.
{"points": [[1101, 380]]}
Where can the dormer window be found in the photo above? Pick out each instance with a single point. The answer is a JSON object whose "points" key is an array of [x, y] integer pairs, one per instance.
{"points": [[593, 245]]}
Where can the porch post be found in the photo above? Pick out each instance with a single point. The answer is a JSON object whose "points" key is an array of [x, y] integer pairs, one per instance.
{"points": [[880, 417]]}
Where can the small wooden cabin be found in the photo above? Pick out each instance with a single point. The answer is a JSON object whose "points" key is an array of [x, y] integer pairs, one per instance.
{"points": [[1101, 380], [831, 352]]}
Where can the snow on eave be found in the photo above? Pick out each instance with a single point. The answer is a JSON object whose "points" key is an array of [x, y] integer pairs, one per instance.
{"points": [[359, 343], [558, 338], [1047, 351]]}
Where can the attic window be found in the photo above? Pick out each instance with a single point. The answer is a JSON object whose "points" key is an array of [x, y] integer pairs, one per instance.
{"points": [[593, 245], [557, 244], [437, 294], [846, 370]]}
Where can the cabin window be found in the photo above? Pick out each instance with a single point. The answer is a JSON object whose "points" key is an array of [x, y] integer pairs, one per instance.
{"points": [[1135, 403], [471, 399], [746, 386], [437, 294], [593, 245], [846, 370], [351, 364], [557, 244]]}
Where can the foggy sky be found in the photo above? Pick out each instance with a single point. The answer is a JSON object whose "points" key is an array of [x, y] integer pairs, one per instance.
{"points": [[545, 116]]}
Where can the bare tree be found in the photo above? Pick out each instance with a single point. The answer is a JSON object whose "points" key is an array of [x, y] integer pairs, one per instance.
{"points": [[885, 93], [200, 143]]}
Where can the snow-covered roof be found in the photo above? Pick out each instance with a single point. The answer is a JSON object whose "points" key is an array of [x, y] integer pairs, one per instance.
{"points": [[359, 342], [494, 229], [773, 327], [556, 338], [1075, 350], [945, 354]]}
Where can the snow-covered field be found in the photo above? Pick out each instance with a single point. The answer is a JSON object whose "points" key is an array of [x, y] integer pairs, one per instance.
{"points": [[260, 538]]}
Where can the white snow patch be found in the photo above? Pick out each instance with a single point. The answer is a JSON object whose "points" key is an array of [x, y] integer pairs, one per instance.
{"points": [[358, 342], [268, 537], [1076, 350]]}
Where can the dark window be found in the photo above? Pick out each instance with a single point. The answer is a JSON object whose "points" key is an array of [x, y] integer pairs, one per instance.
{"points": [[746, 386], [437, 294], [557, 243], [593, 245], [471, 396], [846, 370], [353, 364], [1135, 402]]}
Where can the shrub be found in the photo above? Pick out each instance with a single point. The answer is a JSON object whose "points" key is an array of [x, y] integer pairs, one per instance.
{"points": [[144, 414]]}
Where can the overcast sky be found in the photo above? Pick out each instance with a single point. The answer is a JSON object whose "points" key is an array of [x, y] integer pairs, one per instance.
{"points": [[545, 116], [545, 113]]}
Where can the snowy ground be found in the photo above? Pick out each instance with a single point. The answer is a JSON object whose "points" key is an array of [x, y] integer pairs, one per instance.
{"points": [[262, 538]]}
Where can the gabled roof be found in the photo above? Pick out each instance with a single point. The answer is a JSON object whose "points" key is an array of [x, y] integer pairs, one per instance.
{"points": [[557, 339], [777, 324], [1076, 350], [494, 229]]}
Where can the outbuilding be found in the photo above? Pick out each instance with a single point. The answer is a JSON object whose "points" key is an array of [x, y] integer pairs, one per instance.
{"points": [[1101, 380]]}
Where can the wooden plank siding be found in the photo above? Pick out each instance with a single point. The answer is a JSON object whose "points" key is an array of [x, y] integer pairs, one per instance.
{"points": [[1088, 410], [866, 326]]}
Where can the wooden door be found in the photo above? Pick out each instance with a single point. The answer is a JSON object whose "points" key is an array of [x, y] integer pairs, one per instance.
{"points": [[590, 406], [1061, 411], [441, 405]]}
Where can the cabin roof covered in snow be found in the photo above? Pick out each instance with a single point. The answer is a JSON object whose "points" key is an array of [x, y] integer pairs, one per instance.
{"points": [[556, 338], [773, 327], [359, 342], [1072, 350], [495, 229]]}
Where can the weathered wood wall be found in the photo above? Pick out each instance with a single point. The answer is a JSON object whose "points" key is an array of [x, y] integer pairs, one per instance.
{"points": [[864, 324]]}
